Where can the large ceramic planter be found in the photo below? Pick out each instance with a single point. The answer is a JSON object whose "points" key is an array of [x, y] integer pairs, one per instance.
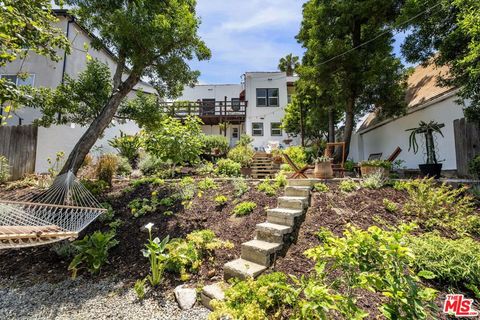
{"points": [[246, 171], [323, 170], [369, 170], [431, 170]]}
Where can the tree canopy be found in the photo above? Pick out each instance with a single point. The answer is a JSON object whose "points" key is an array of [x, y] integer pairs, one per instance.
{"points": [[289, 64], [448, 34], [152, 39], [355, 74], [24, 25]]}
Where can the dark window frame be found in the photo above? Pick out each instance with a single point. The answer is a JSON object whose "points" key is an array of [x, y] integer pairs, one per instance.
{"points": [[279, 128], [253, 129], [268, 96]]}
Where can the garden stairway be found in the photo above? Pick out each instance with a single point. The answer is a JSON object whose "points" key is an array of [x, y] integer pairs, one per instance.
{"points": [[263, 167], [272, 236]]}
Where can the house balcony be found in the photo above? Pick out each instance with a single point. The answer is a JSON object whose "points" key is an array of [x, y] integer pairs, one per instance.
{"points": [[211, 112]]}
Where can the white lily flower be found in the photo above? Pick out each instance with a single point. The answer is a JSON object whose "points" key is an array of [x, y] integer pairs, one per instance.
{"points": [[156, 240], [149, 226]]}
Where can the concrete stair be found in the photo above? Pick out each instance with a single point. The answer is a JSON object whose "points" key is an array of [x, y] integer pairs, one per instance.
{"points": [[259, 254]]}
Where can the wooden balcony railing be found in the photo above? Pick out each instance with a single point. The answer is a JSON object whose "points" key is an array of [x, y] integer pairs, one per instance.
{"points": [[211, 112]]}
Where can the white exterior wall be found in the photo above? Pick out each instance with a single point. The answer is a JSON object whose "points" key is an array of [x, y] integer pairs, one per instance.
{"points": [[387, 137], [266, 115], [214, 91]]}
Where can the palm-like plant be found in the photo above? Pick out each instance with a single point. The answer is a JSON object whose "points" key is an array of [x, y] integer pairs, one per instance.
{"points": [[426, 129], [289, 64]]}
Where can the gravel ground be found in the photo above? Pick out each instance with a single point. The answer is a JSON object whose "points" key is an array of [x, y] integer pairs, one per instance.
{"points": [[82, 299]]}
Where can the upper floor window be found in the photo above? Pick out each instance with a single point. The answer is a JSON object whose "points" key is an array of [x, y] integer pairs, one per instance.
{"points": [[235, 104], [18, 80], [267, 97]]}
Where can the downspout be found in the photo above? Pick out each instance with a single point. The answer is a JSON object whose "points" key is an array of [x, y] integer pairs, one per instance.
{"points": [[64, 67]]}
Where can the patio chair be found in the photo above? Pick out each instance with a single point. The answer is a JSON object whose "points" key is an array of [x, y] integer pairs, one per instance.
{"points": [[299, 173], [394, 154]]}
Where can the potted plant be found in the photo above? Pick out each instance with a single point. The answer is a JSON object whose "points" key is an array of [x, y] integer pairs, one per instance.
{"points": [[431, 168], [277, 156], [243, 154], [373, 166], [323, 168]]}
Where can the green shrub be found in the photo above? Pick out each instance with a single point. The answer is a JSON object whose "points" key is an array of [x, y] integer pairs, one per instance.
{"points": [[153, 181], [349, 165], [106, 168], [321, 187], [221, 200], [266, 297], [214, 143], [4, 170], [123, 167], [150, 165], [244, 208], [267, 187], [205, 168], [373, 181], [240, 186], [363, 265], [139, 288], [107, 216], [92, 252], [443, 206], [185, 256], [65, 249], [245, 140], [453, 262], [186, 188], [401, 185], [348, 185], [95, 187], [242, 155], [280, 180], [228, 167], [207, 184], [167, 202], [474, 166], [390, 206], [140, 207], [377, 164], [127, 146]]}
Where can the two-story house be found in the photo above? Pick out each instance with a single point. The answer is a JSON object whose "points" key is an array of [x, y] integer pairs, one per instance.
{"points": [[255, 107]]}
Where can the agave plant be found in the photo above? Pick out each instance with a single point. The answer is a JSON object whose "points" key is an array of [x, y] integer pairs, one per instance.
{"points": [[427, 129]]}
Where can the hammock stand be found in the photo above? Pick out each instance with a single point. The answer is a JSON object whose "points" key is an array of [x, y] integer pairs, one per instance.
{"points": [[59, 213]]}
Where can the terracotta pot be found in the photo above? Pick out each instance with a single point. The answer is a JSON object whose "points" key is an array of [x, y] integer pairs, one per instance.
{"points": [[323, 170], [368, 170], [246, 171], [277, 159]]}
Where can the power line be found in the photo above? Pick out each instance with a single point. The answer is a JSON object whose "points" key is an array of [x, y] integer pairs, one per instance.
{"points": [[380, 35]]}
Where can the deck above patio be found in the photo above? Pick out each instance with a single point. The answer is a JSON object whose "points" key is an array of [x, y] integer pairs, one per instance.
{"points": [[211, 112]]}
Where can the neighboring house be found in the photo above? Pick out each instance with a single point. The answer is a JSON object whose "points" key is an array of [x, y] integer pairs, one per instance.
{"points": [[42, 72], [426, 102], [255, 107]]}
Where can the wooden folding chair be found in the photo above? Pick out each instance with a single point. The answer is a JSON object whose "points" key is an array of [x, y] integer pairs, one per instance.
{"points": [[299, 173], [329, 150], [394, 154]]}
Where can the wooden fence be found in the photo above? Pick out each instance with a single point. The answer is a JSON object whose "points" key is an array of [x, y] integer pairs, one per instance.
{"points": [[467, 144], [19, 145]]}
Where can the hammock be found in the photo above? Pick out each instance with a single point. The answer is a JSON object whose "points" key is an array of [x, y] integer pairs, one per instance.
{"points": [[58, 213]]}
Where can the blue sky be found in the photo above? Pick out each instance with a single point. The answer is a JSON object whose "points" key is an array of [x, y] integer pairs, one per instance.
{"points": [[248, 35]]}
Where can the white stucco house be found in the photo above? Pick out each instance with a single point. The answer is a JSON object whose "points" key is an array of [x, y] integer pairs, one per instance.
{"points": [[255, 107], [426, 101], [42, 72]]}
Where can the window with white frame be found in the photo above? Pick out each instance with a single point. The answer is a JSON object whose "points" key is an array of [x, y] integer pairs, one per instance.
{"points": [[276, 129], [20, 80], [267, 97], [257, 129]]}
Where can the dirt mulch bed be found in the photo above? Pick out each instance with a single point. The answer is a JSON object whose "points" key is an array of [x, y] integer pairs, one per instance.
{"points": [[126, 259]]}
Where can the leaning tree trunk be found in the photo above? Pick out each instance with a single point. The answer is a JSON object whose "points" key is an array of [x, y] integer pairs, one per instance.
{"points": [[349, 123], [86, 142], [331, 124]]}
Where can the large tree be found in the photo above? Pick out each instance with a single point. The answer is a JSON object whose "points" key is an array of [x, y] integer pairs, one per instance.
{"points": [[152, 39], [26, 24], [289, 64], [352, 64], [447, 34]]}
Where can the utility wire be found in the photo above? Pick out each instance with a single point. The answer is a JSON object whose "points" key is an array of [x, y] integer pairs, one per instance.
{"points": [[380, 35]]}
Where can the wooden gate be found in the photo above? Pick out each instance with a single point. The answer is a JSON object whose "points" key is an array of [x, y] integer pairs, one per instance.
{"points": [[19, 145], [467, 144]]}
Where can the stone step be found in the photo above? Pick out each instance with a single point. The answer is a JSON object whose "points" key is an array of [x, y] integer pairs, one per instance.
{"points": [[297, 191], [302, 182], [260, 252], [272, 232], [242, 269], [299, 203], [283, 216], [213, 291]]}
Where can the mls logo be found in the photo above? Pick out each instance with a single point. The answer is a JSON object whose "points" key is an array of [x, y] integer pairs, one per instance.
{"points": [[457, 305]]}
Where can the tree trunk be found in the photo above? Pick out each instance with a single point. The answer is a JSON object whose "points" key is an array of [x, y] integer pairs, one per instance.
{"points": [[349, 124], [86, 142], [331, 124], [302, 126]]}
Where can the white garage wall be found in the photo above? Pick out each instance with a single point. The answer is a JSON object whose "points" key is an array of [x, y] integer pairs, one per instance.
{"points": [[387, 137]]}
